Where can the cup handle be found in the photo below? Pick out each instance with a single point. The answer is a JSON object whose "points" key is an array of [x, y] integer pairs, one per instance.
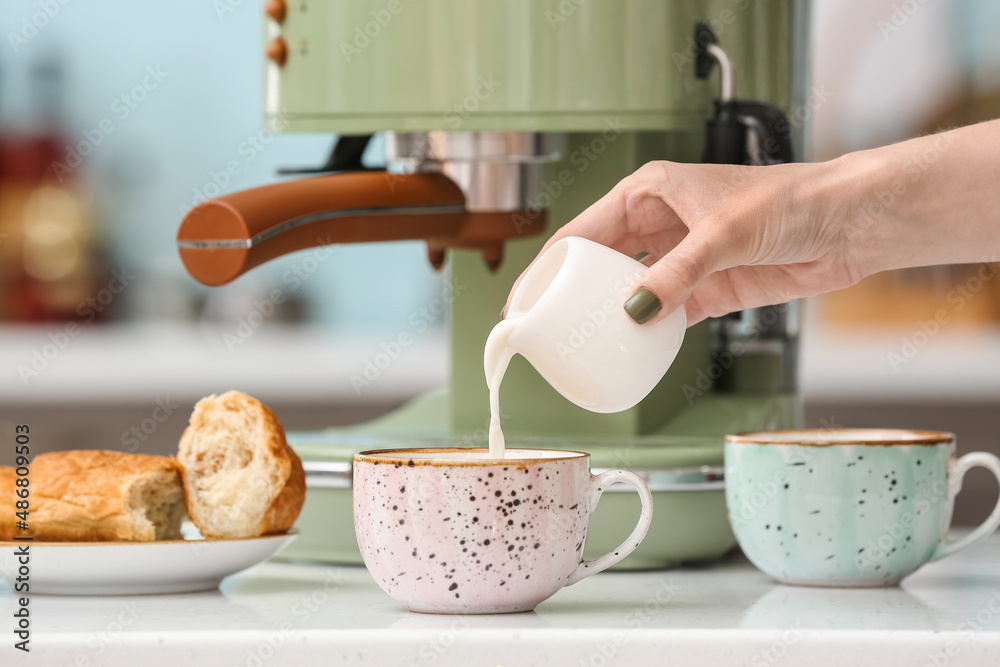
{"points": [[598, 484], [972, 460]]}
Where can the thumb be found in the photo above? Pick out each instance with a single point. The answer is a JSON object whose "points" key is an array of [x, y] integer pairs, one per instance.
{"points": [[668, 284]]}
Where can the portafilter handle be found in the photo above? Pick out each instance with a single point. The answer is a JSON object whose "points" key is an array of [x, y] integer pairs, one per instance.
{"points": [[221, 239]]}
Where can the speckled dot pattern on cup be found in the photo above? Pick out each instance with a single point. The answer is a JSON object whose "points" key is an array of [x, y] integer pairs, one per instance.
{"points": [[831, 513], [474, 536]]}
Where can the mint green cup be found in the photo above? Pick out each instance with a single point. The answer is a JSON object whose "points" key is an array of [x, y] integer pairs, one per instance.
{"points": [[847, 507]]}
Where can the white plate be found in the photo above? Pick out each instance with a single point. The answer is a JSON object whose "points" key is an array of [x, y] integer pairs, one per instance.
{"points": [[136, 568]]}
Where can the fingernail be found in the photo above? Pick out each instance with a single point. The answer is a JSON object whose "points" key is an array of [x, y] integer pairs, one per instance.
{"points": [[642, 306]]}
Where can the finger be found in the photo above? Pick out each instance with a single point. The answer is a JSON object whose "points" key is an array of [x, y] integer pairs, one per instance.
{"points": [[713, 297], [669, 283], [742, 287]]}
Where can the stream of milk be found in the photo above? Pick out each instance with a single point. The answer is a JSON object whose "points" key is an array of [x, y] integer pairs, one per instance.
{"points": [[496, 357]]}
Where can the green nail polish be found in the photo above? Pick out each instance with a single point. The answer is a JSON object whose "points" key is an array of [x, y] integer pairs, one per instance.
{"points": [[642, 306]]}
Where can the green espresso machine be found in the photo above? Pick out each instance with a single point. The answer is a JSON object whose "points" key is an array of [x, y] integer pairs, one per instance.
{"points": [[502, 120]]}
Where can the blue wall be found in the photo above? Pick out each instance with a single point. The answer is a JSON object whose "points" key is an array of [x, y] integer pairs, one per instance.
{"points": [[196, 119]]}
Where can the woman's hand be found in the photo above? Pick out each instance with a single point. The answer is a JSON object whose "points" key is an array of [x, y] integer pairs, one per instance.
{"points": [[720, 238]]}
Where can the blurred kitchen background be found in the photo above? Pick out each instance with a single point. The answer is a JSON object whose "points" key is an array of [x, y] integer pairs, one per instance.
{"points": [[116, 117]]}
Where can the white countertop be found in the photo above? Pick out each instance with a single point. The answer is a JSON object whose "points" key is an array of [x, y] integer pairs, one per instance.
{"points": [[727, 613]]}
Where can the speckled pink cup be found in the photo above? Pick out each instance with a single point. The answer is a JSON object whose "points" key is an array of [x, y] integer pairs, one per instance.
{"points": [[453, 531]]}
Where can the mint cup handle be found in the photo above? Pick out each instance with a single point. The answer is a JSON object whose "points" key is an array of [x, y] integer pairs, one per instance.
{"points": [[962, 466], [598, 485]]}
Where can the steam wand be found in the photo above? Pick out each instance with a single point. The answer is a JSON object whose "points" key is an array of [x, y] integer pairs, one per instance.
{"points": [[742, 131]]}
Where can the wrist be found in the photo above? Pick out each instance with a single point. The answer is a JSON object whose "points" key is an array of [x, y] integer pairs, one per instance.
{"points": [[858, 196], [920, 202]]}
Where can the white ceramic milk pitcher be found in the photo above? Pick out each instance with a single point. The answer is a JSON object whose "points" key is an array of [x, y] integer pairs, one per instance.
{"points": [[566, 318]]}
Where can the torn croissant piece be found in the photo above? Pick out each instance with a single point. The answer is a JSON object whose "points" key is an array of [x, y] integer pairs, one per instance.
{"points": [[240, 476]]}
